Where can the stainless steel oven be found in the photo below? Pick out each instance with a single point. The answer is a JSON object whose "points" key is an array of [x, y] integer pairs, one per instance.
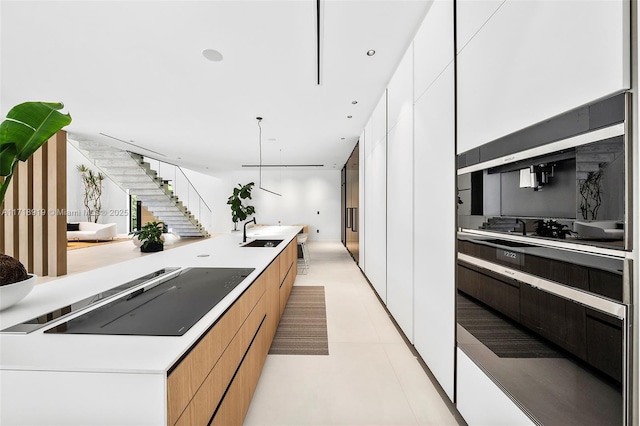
{"points": [[543, 280]]}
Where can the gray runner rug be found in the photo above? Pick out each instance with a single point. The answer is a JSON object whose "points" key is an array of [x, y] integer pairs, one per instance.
{"points": [[303, 326]]}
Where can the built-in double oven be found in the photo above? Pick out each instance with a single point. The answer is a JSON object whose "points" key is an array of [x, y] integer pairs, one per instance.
{"points": [[543, 266]]}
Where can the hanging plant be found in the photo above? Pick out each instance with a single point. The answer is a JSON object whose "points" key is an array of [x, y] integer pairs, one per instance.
{"points": [[92, 192], [240, 212]]}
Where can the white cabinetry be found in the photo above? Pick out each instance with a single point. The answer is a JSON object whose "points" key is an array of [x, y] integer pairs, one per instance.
{"points": [[434, 195], [375, 199], [528, 61]]}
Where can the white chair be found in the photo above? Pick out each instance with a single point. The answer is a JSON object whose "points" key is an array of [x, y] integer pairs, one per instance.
{"points": [[303, 262]]}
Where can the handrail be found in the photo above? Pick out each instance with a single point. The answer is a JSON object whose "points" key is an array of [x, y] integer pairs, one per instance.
{"points": [[178, 188], [181, 171]]}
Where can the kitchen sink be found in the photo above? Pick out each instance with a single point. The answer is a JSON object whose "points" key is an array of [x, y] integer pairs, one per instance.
{"points": [[262, 243]]}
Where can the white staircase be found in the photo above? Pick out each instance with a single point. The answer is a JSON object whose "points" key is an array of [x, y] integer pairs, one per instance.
{"points": [[131, 172], [591, 158]]}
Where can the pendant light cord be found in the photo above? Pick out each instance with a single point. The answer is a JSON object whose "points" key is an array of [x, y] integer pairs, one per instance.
{"points": [[260, 164]]}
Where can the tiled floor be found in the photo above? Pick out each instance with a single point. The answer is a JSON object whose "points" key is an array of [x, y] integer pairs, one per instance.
{"points": [[370, 376]]}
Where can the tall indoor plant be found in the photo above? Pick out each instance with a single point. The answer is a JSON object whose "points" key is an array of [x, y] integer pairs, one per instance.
{"points": [[27, 127], [92, 192], [240, 212]]}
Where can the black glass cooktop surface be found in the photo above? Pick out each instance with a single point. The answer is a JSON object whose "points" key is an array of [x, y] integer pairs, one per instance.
{"points": [[170, 308]]}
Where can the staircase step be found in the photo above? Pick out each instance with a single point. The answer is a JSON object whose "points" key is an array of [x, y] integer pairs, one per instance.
{"points": [[95, 146], [131, 172], [114, 154]]}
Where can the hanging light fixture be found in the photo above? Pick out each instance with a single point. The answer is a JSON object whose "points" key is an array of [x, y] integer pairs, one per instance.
{"points": [[260, 164]]}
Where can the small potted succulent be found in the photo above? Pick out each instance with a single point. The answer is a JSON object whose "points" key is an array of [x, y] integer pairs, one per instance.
{"points": [[150, 235], [27, 127]]}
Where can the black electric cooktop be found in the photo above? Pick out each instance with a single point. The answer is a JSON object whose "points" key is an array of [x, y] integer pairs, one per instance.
{"points": [[170, 308]]}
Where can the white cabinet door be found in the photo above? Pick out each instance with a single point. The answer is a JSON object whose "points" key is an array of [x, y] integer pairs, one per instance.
{"points": [[375, 199], [400, 226], [435, 232], [532, 60]]}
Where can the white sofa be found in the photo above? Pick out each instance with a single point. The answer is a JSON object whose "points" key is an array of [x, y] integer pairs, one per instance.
{"points": [[93, 231], [603, 230]]}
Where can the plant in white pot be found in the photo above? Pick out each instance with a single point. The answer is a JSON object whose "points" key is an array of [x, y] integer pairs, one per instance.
{"points": [[27, 127], [150, 235]]}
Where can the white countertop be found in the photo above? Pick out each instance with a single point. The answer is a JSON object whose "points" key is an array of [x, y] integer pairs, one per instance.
{"points": [[127, 354]]}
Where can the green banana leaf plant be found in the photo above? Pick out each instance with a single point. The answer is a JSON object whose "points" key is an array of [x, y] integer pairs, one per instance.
{"points": [[27, 127]]}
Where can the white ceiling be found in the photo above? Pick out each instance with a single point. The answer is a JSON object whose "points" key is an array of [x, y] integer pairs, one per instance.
{"points": [[135, 71]]}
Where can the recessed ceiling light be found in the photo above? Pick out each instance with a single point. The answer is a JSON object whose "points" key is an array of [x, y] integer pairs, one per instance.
{"points": [[371, 52], [212, 55], [349, 116], [341, 139], [354, 102]]}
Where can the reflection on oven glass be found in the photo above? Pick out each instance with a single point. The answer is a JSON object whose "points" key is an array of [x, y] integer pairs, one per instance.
{"points": [[562, 360]]}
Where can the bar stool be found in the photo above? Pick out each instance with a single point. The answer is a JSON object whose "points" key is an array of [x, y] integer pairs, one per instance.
{"points": [[303, 262]]}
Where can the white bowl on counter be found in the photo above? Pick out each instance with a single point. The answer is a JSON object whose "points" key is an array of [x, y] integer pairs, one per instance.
{"points": [[11, 294]]}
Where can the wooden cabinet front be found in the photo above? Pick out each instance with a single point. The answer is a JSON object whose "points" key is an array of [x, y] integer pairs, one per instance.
{"points": [[215, 380], [288, 272]]}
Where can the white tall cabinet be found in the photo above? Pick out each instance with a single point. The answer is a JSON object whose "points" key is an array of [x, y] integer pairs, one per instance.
{"points": [[374, 198], [434, 194], [518, 63], [400, 212], [415, 127]]}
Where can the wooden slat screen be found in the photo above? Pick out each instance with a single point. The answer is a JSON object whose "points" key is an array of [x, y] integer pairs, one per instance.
{"points": [[33, 223]]}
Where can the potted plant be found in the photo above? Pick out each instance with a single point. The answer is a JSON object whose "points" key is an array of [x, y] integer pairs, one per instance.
{"points": [[240, 212], [27, 127], [92, 192], [552, 229], [150, 235]]}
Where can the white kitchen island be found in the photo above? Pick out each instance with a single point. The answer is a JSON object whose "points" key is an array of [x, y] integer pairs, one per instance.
{"points": [[80, 379]]}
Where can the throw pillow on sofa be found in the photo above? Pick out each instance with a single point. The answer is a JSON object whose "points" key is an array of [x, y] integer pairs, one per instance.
{"points": [[73, 226]]}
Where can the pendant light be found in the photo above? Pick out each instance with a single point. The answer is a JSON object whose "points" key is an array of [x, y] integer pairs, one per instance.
{"points": [[260, 164]]}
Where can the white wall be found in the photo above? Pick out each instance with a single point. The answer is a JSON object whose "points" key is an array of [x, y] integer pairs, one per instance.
{"points": [[310, 197], [115, 201], [522, 62], [211, 189]]}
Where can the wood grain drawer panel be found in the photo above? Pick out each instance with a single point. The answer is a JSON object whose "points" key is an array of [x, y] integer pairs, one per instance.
{"points": [[233, 408], [285, 290], [205, 401], [273, 297], [188, 376], [285, 261]]}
